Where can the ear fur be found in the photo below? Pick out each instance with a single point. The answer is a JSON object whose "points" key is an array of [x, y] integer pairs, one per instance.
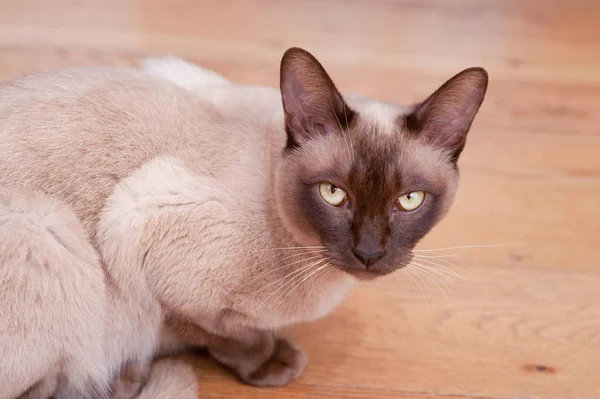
{"points": [[445, 117], [311, 102]]}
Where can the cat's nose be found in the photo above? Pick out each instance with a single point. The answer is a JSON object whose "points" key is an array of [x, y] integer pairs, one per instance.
{"points": [[368, 258]]}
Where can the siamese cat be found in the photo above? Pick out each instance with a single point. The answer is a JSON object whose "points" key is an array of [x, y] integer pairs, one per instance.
{"points": [[144, 212]]}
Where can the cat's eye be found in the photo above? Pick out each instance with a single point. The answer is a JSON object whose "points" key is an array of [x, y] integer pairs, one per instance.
{"points": [[411, 201], [332, 195]]}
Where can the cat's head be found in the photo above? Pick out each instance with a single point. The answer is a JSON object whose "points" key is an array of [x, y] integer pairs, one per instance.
{"points": [[366, 179]]}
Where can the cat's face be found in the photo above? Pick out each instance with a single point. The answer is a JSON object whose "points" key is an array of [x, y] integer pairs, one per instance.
{"points": [[367, 180]]}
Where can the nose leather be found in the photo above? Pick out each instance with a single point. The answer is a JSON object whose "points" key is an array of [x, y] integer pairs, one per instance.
{"points": [[368, 258]]}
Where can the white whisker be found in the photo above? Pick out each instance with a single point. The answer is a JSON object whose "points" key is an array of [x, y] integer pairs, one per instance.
{"points": [[341, 128], [348, 136], [294, 272], [437, 272], [451, 255], [272, 269], [291, 248], [432, 277], [461, 247], [282, 297], [414, 276], [409, 278], [442, 267], [292, 277]]}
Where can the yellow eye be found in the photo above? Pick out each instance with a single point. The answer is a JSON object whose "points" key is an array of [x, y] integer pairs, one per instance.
{"points": [[411, 201], [331, 194]]}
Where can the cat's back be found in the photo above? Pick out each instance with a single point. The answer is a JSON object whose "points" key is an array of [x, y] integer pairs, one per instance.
{"points": [[76, 133]]}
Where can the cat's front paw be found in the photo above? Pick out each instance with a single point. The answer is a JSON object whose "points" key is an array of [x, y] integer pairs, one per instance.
{"points": [[286, 364], [130, 381]]}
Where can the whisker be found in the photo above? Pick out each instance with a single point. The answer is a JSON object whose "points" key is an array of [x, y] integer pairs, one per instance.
{"points": [[291, 248], [462, 247], [289, 285], [315, 283], [433, 278], [449, 265], [451, 255], [299, 270], [437, 272], [272, 269], [292, 277], [282, 297], [341, 128], [347, 135], [440, 259], [408, 277], [414, 275], [442, 267], [425, 278]]}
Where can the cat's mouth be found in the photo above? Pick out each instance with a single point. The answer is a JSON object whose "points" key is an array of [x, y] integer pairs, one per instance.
{"points": [[367, 273]]}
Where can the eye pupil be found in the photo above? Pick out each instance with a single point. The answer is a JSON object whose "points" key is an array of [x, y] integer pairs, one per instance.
{"points": [[411, 201], [332, 194]]}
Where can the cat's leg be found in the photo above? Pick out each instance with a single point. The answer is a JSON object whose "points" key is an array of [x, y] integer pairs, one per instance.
{"points": [[131, 379], [42, 389], [256, 357], [169, 379], [260, 358], [172, 225], [52, 302], [182, 73]]}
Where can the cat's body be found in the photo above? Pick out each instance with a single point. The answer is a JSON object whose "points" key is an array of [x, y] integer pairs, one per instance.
{"points": [[144, 212]]}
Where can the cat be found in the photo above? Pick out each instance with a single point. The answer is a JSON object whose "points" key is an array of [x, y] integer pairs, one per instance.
{"points": [[147, 211]]}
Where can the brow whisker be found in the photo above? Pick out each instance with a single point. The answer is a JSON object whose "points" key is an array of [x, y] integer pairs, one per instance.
{"points": [[341, 128]]}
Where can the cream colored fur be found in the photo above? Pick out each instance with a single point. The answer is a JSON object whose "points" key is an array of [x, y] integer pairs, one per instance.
{"points": [[170, 379], [146, 211], [52, 300], [152, 176]]}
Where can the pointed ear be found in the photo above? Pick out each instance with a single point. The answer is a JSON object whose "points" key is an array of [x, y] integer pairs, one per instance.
{"points": [[312, 105], [445, 117]]}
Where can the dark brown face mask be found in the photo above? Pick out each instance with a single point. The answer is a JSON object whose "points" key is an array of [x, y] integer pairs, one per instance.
{"points": [[385, 185]]}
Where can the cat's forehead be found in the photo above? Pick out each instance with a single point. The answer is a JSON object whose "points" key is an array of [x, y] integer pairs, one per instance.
{"points": [[388, 158], [375, 153], [377, 116]]}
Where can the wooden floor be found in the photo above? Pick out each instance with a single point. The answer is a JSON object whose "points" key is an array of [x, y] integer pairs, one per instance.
{"points": [[525, 322]]}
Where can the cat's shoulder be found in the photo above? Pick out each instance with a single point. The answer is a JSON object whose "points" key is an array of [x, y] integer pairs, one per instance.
{"points": [[164, 182], [182, 73]]}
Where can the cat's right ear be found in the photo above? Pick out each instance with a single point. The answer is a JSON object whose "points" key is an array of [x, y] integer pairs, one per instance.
{"points": [[445, 117], [312, 104]]}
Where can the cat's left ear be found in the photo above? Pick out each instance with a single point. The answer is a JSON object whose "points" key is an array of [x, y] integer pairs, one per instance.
{"points": [[445, 117], [312, 104]]}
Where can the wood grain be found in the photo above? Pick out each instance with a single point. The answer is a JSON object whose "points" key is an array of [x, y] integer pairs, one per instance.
{"points": [[526, 323]]}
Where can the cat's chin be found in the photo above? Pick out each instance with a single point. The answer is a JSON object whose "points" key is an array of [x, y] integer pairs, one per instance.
{"points": [[367, 274]]}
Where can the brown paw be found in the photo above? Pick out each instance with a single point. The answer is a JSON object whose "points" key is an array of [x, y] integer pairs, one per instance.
{"points": [[130, 382], [285, 365]]}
